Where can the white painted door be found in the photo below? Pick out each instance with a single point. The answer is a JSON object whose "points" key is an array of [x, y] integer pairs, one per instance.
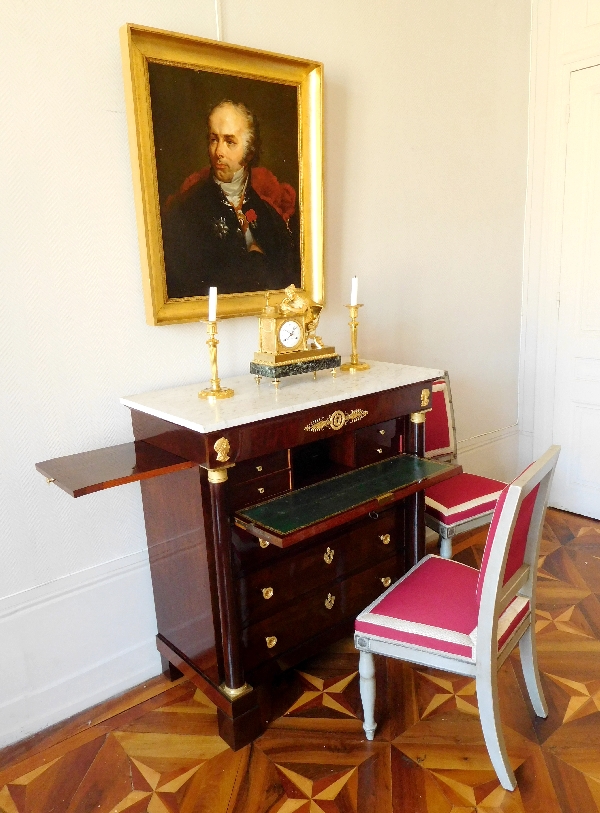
{"points": [[577, 393]]}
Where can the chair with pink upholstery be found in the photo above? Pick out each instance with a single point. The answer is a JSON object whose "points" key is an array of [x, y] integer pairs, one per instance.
{"points": [[460, 503], [450, 616]]}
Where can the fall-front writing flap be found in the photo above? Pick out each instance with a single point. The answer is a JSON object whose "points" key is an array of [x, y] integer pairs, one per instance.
{"points": [[302, 513]]}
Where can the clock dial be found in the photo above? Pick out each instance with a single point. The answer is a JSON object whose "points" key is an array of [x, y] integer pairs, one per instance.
{"points": [[290, 334]]}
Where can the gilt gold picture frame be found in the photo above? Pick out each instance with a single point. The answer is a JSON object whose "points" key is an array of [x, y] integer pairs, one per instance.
{"points": [[227, 157]]}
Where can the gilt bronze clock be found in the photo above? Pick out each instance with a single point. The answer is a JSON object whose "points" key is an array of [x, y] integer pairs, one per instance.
{"points": [[287, 341]]}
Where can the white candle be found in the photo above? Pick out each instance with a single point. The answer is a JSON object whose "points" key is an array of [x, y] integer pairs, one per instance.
{"points": [[212, 304], [354, 291]]}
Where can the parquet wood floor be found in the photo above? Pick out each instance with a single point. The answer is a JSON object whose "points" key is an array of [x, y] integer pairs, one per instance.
{"points": [[157, 749]]}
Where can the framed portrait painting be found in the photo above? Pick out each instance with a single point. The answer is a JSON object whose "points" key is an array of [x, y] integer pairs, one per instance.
{"points": [[226, 146]]}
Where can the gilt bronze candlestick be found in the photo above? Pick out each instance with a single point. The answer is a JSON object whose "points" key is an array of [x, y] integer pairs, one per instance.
{"points": [[354, 365], [215, 390]]}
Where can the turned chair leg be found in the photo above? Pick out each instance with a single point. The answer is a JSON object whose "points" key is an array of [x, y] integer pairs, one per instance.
{"points": [[528, 651], [366, 669], [489, 714], [445, 546]]}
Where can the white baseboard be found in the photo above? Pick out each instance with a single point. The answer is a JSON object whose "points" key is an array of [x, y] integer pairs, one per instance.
{"points": [[495, 454], [75, 642]]}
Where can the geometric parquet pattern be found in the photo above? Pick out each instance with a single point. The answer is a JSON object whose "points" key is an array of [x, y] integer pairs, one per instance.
{"points": [[157, 750]]}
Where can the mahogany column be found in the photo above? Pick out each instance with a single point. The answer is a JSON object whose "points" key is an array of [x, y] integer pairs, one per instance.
{"points": [[415, 504], [234, 683]]}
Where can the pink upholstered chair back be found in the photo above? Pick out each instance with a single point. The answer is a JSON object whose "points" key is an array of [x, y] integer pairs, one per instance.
{"points": [[509, 561], [440, 439]]}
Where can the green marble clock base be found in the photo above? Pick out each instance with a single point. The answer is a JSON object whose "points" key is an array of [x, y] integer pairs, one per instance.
{"points": [[282, 370]]}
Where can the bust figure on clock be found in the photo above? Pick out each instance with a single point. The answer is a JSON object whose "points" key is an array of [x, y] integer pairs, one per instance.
{"points": [[296, 301]]}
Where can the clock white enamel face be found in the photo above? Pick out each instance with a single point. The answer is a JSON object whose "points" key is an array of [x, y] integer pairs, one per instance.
{"points": [[290, 333]]}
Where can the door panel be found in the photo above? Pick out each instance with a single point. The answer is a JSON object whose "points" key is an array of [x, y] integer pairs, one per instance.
{"points": [[577, 395]]}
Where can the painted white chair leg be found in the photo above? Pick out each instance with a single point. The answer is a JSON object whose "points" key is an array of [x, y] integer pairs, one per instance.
{"points": [[489, 714], [366, 669], [529, 665], [445, 547]]}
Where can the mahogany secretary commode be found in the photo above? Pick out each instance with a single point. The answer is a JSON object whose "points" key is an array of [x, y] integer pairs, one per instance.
{"points": [[272, 519]]}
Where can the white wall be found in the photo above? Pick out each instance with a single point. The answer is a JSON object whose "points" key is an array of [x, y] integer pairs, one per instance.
{"points": [[425, 148]]}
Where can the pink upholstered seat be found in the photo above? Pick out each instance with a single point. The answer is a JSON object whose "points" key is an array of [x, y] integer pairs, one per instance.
{"points": [[462, 498], [463, 502], [445, 614], [421, 610]]}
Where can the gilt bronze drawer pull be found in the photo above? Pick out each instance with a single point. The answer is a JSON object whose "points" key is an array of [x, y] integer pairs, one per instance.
{"points": [[329, 601], [259, 468], [264, 543], [386, 581], [328, 556], [267, 592], [379, 451], [261, 491], [385, 538], [382, 431], [271, 641]]}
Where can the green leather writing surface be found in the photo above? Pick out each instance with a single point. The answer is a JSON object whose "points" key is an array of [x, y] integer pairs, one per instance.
{"points": [[308, 506]]}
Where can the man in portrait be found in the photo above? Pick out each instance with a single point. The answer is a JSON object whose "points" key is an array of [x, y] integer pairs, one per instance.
{"points": [[231, 225]]}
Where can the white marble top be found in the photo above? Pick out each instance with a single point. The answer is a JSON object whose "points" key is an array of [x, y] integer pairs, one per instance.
{"points": [[254, 402]]}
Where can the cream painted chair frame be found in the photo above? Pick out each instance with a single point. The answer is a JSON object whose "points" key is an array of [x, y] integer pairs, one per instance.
{"points": [[450, 455], [447, 454], [495, 598], [447, 533]]}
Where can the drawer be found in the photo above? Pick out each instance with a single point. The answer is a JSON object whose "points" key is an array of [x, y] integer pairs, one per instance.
{"points": [[319, 609], [373, 443], [263, 592], [250, 555], [262, 488], [259, 467]]}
